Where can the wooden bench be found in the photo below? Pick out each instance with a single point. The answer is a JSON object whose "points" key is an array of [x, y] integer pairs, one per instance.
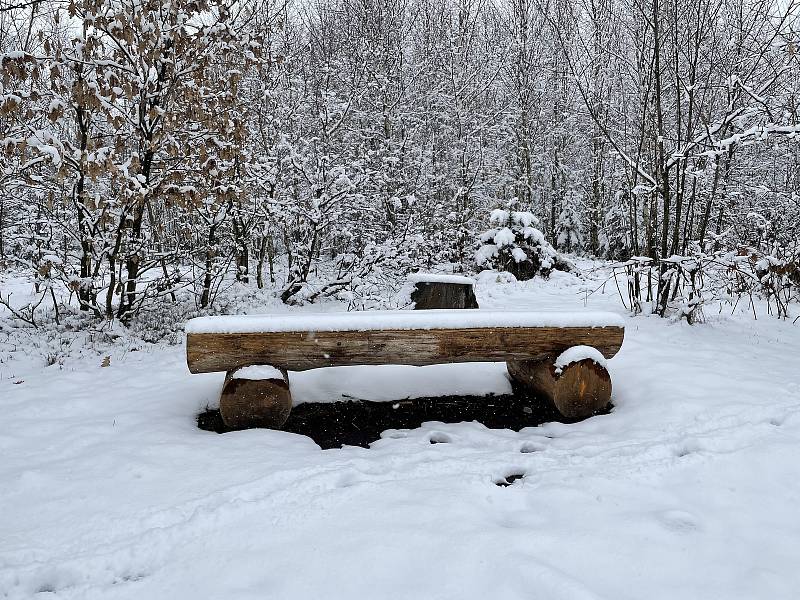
{"points": [[532, 344]]}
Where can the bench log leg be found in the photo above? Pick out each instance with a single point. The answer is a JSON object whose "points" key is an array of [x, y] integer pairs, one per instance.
{"points": [[246, 403], [579, 391]]}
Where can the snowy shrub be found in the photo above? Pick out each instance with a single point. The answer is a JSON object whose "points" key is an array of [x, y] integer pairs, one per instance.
{"points": [[514, 245], [681, 285]]}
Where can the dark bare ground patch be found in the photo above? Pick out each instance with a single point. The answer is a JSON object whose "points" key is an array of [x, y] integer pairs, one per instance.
{"points": [[360, 422]]}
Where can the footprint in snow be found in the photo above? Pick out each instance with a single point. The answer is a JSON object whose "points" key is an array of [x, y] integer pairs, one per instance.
{"points": [[687, 448], [509, 479], [529, 447], [678, 521], [347, 480]]}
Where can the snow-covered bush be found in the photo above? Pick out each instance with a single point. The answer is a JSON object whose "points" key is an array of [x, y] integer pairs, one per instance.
{"points": [[681, 285], [514, 245]]}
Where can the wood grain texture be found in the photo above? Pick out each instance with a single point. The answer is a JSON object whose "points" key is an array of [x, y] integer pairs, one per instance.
{"points": [[246, 403], [579, 391], [300, 351]]}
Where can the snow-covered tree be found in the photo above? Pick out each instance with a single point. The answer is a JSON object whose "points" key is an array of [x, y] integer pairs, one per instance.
{"points": [[568, 226], [614, 238]]}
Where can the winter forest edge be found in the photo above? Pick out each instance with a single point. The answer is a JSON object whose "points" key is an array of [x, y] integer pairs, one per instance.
{"points": [[160, 154]]}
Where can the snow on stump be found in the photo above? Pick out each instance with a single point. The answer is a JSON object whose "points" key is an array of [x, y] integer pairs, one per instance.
{"points": [[437, 291], [256, 396], [576, 382]]}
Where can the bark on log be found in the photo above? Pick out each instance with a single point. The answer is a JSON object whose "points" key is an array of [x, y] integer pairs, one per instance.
{"points": [[302, 350], [579, 391], [255, 402], [438, 294]]}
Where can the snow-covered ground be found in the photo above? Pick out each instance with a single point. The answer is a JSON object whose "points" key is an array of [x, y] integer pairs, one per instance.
{"points": [[688, 489]]}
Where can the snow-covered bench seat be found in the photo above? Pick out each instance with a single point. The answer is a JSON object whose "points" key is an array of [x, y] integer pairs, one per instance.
{"points": [[299, 342]]}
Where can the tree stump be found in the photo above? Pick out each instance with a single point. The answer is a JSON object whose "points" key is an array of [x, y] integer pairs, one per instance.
{"points": [[577, 388], [432, 291], [256, 396]]}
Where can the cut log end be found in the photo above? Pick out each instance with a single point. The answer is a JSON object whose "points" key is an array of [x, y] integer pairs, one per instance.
{"points": [[246, 403], [581, 389]]}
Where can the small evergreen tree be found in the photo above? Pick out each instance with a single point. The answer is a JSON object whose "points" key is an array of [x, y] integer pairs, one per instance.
{"points": [[568, 227], [514, 245], [614, 238]]}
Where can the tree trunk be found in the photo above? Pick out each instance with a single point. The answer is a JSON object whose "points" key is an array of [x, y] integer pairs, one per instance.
{"points": [[205, 297], [2, 226], [132, 264], [262, 253], [242, 251]]}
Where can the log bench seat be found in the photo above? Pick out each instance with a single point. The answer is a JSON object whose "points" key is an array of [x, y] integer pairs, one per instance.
{"points": [[559, 356]]}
